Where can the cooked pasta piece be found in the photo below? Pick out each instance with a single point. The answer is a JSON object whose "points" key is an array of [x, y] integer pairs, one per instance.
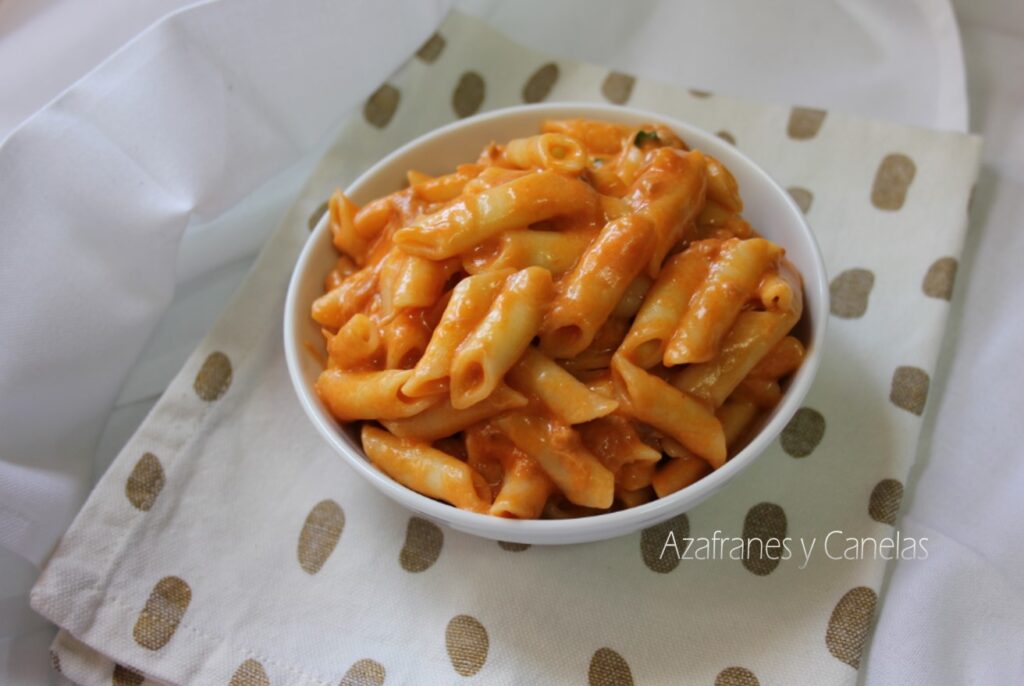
{"points": [[654, 401], [666, 303], [554, 151], [560, 452], [589, 293], [754, 334], [368, 395], [356, 344], [567, 398], [501, 337], [524, 486], [732, 279], [518, 203], [556, 251], [736, 416], [614, 440], [785, 358], [406, 336], [669, 193], [678, 473], [334, 308], [427, 470], [347, 240], [441, 419]]}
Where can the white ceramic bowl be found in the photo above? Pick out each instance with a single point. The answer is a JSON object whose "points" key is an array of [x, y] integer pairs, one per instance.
{"points": [[767, 207]]}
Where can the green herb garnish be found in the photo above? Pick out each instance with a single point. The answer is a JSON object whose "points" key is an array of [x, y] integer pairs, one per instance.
{"points": [[644, 137]]}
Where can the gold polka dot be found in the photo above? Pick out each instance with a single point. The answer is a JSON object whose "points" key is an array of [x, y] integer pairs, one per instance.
{"points": [[885, 501], [513, 547], [423, 541], [467, 643], [699, 93], [803, 433], [617, 87], [736, 676], [364, 672], [727, 137], [55, 661], [909, 389], [539, 86], [380, 107], [653, 539], [162, 613], [608, 668], [123, 676], [320, 535], [892, 180], [849, 293], [145, 482], [764, 522], [432, 49], [802, 197], [804, 122], [214, 377], [250, 673], [849, 625], [941, 276], [469, 94], [318, 213]]}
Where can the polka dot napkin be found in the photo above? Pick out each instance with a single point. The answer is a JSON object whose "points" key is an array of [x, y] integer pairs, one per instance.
{"points": [[227, 544]]}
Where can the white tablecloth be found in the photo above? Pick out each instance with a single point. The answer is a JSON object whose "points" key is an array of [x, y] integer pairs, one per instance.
{"points": [[944, 620]]}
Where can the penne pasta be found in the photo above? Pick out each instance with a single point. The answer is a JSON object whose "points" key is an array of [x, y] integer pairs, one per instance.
{"points": [[419, 281], [470, 302], [574, 321], [368, 395], [678, 473], [424, 469], [524, 486], [614, 441], [560, 452], [553, 151], [358, 343], [784, 358], [333, 309], [498, 341], [722, 186], [751, 338], [537, 375], [447, 187], [597, 136], [731, 281], [589, 293], [736, 416], [441, 419], [406, 336], [518, 203], [666, 303], [556, 251], [656, 402], [347, 240], [669, 193]]}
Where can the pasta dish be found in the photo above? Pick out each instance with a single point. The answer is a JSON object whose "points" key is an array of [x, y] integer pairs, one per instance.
{"points": [[576, 322]]}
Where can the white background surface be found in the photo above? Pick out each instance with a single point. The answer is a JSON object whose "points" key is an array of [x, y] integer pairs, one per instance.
{"points": [[954, 618]]}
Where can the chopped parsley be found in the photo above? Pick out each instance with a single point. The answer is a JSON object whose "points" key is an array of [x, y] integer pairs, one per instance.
{"points": [[643, 137]]}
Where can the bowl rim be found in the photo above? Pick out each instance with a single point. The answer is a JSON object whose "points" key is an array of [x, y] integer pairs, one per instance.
{"points": [[599, 526]]}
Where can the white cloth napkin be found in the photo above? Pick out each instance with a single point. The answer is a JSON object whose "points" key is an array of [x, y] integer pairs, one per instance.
{"points": [[215, 124], [228, 542]]}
